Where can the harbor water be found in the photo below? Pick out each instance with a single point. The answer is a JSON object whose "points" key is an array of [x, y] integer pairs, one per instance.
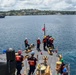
{"points": [[14, 30]]}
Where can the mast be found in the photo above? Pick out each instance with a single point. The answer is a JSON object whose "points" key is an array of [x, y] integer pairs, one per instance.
{"points": [[44, 30]]}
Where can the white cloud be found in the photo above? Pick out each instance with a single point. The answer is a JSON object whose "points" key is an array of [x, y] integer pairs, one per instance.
{"points": [[38, 4], [7, 3], [61, 5]]}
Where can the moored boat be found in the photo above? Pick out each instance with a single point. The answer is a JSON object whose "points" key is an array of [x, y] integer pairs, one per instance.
{"points": [[2, 16]]}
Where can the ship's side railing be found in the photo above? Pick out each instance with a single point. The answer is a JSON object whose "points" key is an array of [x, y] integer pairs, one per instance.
{"points": [[67, 64], [68, 68]]}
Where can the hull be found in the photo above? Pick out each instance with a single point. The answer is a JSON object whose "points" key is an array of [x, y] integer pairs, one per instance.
{"points": [[2, 16]]}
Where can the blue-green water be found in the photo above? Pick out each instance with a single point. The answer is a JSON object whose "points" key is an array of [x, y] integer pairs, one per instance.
{"points": [[14, 29]]}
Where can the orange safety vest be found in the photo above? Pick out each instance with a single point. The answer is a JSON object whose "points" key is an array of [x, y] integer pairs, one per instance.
{"points": [[51, 40], [44, 40], [38, 41], [31, 62], [18, 58]]}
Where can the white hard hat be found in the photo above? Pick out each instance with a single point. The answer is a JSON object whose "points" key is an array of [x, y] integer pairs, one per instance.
{"points": [[25, 38], [32, 53], [38, 38]]}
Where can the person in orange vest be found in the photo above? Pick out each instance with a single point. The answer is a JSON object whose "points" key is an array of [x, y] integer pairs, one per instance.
{"points": [[47, 38], [26, 43], [44, 42], [19, 59], [32, 63], [38, 44], [51, 40]]}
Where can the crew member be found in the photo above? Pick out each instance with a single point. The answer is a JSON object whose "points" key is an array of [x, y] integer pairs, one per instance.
{"points": [[47, 37], [38, 44], [26, 43], [61, 59], [19, 59], [32, 63], [44, 42], [51, 40]]}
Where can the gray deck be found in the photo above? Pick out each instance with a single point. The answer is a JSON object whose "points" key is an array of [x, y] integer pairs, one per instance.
{"points": [[51, 59]]}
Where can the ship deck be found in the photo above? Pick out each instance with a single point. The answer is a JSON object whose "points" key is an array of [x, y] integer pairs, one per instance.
{"points": [[51, 60]]}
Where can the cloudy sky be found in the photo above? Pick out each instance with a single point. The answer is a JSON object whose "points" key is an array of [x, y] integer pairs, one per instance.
{"points": [[38, 4]]}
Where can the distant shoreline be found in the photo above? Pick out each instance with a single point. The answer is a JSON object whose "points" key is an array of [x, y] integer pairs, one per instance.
{"points": [[35, 12]]}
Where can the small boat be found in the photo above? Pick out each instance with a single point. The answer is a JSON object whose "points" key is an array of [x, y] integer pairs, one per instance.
{"points": [[2, 16]]}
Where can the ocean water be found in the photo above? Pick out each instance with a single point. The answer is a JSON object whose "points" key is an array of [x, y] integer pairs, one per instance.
{"points": [[14, 29]]}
